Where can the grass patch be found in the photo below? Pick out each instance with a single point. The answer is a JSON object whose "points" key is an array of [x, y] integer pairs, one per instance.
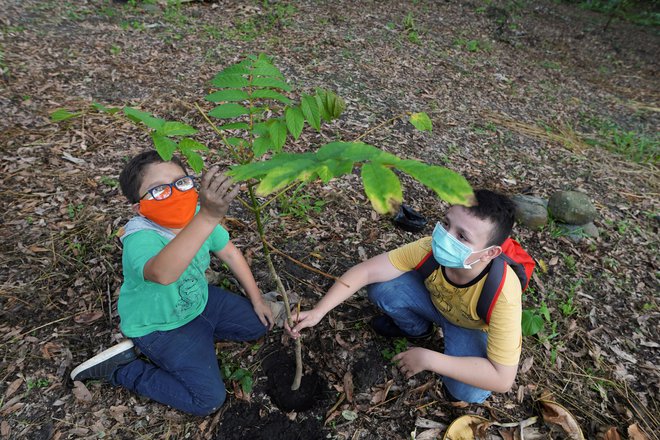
{"points": [[634, 146]]}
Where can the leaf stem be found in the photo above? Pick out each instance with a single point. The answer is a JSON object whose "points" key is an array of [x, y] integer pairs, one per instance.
{"points": [[382, 124], [233, 151]]}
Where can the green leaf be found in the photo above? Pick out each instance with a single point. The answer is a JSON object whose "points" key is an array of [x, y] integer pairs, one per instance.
{"points": [[228, 111], [300, 168], [259, 169], [532, 323], [263, 81], [355, 151], [331, 168], [421, 121], [171, 128], [230, 81], [310, 109], [194, 160], [270, 94], [261, 145], [277, 131], [235, 126], [164, 145], [330, 105], [187, 144], [263, 67], [102, 108], [382, 187], [235, 141], [228, 95], [447, 184], [294, 121], [242, 68], [144, 117], [349, 415], [246, 384], [62, 115]]}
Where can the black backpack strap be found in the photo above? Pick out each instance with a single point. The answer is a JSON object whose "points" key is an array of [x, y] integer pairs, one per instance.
{"points": [[492, 288], [427, 266]]}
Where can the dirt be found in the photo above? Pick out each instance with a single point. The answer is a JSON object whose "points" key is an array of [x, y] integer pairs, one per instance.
{"points": [[520, 113]]}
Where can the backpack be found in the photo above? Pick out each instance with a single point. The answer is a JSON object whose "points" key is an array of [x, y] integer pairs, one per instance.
{"points": [[512, 254]]}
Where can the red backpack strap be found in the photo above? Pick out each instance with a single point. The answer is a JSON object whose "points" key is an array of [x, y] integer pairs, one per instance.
{"points": [[427, 266], [491, 289]]}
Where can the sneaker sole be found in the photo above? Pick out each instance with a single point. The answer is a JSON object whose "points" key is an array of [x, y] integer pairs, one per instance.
{"points": [[103, 356]]}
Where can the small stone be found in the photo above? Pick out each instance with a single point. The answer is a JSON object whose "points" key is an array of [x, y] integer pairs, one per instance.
{"points": [[531, 211], [572, 207]]}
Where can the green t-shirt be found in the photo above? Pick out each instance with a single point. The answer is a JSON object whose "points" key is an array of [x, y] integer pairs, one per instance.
{"points": [[145, 306]]}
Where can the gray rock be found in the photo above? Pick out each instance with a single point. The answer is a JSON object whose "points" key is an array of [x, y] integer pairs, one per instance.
{"points": [[571, 207], [577, 233], [531, 211]]}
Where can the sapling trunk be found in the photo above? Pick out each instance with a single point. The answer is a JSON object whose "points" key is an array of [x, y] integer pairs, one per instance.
{"points": [[280, 287]]}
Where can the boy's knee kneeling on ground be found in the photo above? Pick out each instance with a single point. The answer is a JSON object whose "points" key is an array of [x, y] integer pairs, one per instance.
{"points": [[207, 405]]}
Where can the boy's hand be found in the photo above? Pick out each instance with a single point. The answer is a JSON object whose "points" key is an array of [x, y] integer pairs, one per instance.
{"points": [[412, 361], [216, 193], [303, 320], [264, 313]]}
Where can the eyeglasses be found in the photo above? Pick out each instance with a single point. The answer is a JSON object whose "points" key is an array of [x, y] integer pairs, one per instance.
{"points": [[163, 191]]}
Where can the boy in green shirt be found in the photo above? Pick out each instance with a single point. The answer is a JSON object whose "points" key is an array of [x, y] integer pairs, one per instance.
{"points": [[166, 307]]}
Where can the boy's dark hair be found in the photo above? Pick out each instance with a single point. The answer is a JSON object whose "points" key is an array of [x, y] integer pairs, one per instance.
{"points": [[130, 178], [499, 210]]}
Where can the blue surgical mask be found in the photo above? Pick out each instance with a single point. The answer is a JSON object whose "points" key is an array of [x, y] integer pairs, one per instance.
{"points": [[448, 251]]}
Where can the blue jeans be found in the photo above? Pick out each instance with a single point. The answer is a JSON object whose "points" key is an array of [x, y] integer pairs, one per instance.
{"points": [[184, 372], [407, 301]]}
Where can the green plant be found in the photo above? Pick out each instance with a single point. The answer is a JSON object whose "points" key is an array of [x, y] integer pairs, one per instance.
{"points": [[256, 120], [37, 383], [400, 345], [299, 204], [74, 210], [109, 181], [532, 322], [115, 50], [570, 263], [410, 28]]}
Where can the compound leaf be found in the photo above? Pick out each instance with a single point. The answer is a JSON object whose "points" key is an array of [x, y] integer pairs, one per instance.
{"points": [[447, 184], [310, 109], [228, 111], [230, 81], [299, 168], [382, 187], [294, 121], [164, 145], [277, 131], [264, 81], [172, 128], [144, 117], [230, 95], [271, 94]]}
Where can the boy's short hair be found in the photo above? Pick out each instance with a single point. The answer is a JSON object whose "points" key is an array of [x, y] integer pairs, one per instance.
{"points": [[130, 178], [498, 209]]}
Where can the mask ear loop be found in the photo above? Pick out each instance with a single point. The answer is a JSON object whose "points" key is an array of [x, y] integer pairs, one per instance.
{"points": [[469, 266]]}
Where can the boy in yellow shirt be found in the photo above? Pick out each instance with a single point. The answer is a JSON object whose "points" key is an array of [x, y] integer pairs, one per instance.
{"points": [[478, 358]]}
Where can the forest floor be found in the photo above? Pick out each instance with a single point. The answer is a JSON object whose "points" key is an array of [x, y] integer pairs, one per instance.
{"points": [[525, 97]]}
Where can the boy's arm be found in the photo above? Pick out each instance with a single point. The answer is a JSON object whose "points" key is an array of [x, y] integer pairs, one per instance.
{"points": [[215, 195], [233, 258], [475, 371], [374, 270]]}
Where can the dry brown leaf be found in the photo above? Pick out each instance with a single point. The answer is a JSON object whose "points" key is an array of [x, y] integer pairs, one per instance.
{"points": [[463, 428], [11, 389], [49, 349], [348, 386], [88, 317], [5, 429], [556, 415], [429, 434], [635, 433], [612, 434], [81, 392], [527, 365]]}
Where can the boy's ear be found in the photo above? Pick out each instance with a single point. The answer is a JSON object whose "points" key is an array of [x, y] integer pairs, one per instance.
{"points": [[136, 208], [493, 252]]}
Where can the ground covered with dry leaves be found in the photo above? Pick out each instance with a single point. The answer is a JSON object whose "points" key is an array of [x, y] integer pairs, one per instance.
{"points": [[524, 97]]}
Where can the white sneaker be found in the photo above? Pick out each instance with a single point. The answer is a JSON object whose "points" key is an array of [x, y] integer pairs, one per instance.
{"points": [[103, 365]]}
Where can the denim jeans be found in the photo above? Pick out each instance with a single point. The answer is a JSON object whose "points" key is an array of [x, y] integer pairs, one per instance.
{"points": [[407, 301], [183, 371]]}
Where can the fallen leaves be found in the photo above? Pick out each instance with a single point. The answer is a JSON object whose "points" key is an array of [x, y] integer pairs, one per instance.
{"points": [[88, 317], [81, 392], [557, 416]]}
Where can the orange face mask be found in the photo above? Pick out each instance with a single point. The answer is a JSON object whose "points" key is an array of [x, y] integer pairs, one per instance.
{"points": [[174, 212]]}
